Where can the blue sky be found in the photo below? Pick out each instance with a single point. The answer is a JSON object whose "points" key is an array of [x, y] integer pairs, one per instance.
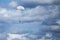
{"points": [[29, 20]]}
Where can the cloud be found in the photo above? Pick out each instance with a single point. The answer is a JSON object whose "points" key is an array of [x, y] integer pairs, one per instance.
{"points": [[29, 36], [13, 4], [47, 36], [38, 1], [51, 28], [55, 27], [34, 3], [58, 21], [16, 36]]}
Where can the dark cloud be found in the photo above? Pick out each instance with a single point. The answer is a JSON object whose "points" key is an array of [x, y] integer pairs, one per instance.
{"points": [[34, 3]]}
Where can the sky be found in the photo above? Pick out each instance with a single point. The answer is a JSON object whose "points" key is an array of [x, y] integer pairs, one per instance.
{"points": [[29, 19]]}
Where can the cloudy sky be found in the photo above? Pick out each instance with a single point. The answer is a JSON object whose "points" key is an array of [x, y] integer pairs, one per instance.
{"points": [[29, 19]]}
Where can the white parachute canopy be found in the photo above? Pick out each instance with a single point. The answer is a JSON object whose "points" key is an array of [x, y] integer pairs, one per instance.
{"points": [[20, 8]]}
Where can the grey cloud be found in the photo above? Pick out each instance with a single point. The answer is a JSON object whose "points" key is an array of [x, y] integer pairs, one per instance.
{"points": [[38, 1], [27, 36], [33, 3], [41, 13]]}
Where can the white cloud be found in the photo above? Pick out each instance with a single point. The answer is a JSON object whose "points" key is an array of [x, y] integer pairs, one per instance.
{"points": [[2, 10], [18, 36], [35, 13], [13, 4]]}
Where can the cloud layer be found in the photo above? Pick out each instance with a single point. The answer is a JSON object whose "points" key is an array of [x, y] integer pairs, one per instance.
{"points": [[33, 3], [30, 20], [41, 13]]}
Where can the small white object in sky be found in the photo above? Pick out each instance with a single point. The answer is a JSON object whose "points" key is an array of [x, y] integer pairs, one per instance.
{"points": [[20, 8]]}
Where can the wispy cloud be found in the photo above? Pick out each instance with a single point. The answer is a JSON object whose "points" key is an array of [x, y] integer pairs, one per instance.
{"points": [[13, 4]]}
